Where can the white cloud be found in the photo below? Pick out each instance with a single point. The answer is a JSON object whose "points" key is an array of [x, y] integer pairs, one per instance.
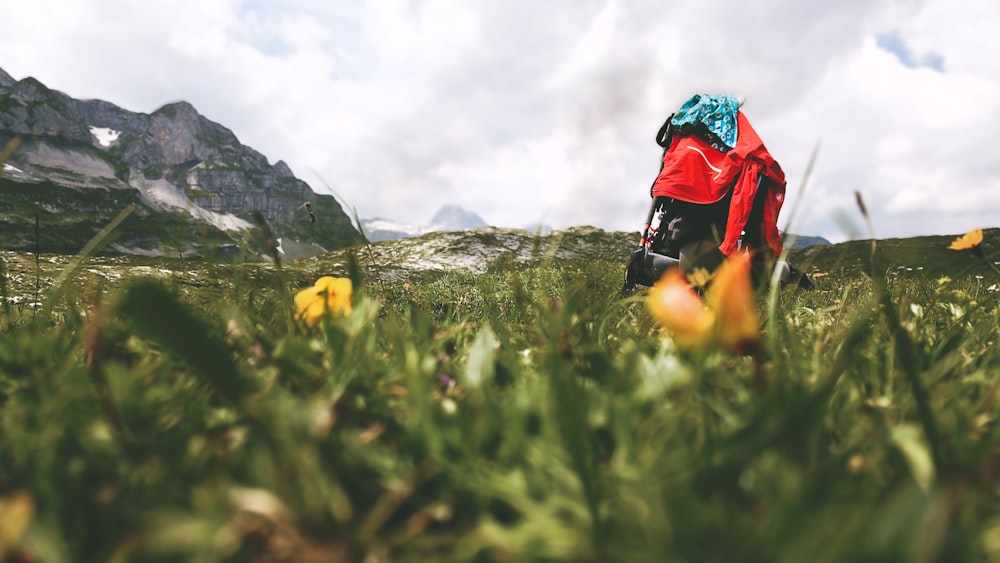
{"points": [[524, 111]]}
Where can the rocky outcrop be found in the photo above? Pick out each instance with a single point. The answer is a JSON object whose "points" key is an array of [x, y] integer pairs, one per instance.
{"points": [[5, 79], [27, 107], [175, 166]]}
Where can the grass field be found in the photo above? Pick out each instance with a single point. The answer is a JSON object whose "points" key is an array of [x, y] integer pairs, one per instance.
{"points": [[528, 413]]}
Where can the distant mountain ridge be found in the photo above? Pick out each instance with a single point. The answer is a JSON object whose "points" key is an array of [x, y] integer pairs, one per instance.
{"points": [[447, 218], [798, 242], [453, 217], [195, 189]]}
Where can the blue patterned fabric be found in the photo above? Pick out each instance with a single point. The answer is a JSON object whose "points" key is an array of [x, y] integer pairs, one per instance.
{"points": [[718, 113]]}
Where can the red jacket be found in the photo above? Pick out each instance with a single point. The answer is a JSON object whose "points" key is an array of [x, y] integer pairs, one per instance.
{"points": [[695, 172]]}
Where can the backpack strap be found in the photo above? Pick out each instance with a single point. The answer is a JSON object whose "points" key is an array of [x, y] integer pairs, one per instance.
{"points": [[666, 133]]}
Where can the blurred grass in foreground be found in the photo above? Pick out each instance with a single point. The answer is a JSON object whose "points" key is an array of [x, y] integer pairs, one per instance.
{"points": [[528, 413]]}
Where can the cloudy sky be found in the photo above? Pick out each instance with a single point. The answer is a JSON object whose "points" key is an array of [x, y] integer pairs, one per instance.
{"points": [[529, 111]]}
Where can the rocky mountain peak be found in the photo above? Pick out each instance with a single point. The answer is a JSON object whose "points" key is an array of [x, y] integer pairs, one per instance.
{"points": [[282, 169], [179, 109], [83, 158], [28, 107], [176, 134], [453, 217], [29, 89], [6, 79]]}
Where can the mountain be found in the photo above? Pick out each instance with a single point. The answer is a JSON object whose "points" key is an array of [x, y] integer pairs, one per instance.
{"points": [[378, 229], [798, 242], [454, 218], [6, 79], [447, 218], [195, 189]]}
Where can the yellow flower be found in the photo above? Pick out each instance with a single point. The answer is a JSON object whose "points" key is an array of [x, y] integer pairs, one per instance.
{"points": [[699, 277], [731, 296], [727, 316], [968, 241], [328, 294], [677, 308], [17, 510]]}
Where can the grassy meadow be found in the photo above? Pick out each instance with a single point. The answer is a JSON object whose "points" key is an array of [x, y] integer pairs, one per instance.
{"points": [[527, 413]]}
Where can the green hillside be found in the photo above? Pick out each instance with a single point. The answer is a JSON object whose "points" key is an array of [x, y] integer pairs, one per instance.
{"points": [[926, 256]]}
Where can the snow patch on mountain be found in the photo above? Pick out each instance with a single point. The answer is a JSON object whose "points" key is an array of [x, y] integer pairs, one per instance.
{"points": [[161, 193], [104, 136]]}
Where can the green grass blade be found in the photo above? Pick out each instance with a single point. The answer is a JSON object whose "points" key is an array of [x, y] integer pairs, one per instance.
{"points": [[99, 241], [157, 315]]}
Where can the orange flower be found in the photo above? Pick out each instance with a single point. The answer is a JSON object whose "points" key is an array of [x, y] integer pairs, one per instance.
{"points": [[731, 296], [968, 241], [728, 315], [327, 295], [678, 309]]}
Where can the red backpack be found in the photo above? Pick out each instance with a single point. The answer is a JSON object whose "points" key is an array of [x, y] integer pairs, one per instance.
{"points": [[708, 187]]}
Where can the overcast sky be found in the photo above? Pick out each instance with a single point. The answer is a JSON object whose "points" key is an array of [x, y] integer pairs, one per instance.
{"points": [[529, 111]]}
